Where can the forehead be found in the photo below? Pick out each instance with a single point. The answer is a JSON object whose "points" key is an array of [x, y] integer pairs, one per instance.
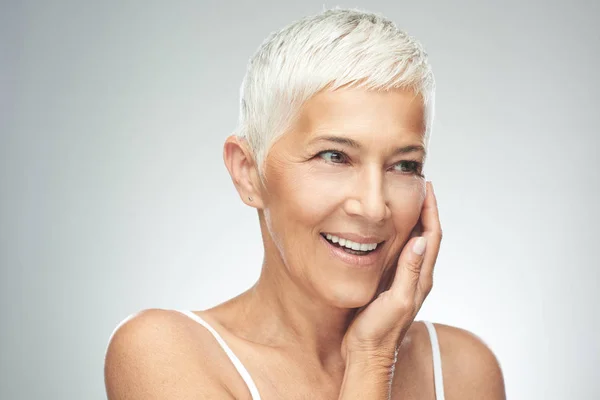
{"points": [[358, 111]]}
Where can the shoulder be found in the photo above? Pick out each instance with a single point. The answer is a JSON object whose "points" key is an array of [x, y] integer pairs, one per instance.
{"points": [[158, 354], [470, 368]]}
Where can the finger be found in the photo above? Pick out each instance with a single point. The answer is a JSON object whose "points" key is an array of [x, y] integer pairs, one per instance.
{"points": [[384, 285], [386, 280], [404, 286], [430, 219], [432, 230], [417, 229]]}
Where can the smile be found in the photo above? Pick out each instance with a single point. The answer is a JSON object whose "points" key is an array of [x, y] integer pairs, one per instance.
{"points": [[343, 250], [349, 246]]}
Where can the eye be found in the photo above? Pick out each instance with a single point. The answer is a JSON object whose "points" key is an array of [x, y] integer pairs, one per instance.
{"points": [[409, 167], [333, 156]]}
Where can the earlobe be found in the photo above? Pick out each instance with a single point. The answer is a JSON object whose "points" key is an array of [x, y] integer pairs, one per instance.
{"points": [[242, 168]]}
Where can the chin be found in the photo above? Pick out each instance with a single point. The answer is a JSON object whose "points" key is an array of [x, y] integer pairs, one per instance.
{"points": [[351, 296]]}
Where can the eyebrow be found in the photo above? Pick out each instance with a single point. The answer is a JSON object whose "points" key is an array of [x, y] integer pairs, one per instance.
{"points": [[354, 144]]}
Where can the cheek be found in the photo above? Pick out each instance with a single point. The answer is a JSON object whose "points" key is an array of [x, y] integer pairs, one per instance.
{"points": [[406, 202], [298, 201], [297, 205], [310, 197]]}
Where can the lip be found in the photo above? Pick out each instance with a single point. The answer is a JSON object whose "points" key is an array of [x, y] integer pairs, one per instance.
{"points": [[366, 261]]}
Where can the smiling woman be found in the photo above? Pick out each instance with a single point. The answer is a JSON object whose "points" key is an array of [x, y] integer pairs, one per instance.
{"points": [[336, 115]]}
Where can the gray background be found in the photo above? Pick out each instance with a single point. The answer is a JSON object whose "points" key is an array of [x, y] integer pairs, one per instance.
{"points": [[115, 197]]}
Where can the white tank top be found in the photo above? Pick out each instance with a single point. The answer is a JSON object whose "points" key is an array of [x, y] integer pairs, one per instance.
{"points": [[435, 347]]}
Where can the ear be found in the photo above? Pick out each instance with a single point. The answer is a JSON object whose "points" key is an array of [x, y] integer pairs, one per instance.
{"points": [[243, 170]]}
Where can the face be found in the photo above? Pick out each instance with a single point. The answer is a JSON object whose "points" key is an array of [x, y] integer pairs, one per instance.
{"points": [[348, 174]]}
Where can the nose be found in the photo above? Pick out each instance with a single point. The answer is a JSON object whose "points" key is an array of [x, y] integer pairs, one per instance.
{"points": [[368, 198]]}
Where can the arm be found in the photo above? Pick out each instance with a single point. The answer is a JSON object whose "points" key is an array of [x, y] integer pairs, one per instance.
{"points": [[367, 377], [149, 358], [471, 370]]}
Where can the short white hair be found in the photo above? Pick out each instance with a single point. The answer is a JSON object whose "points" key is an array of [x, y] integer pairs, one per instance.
{"points": [[338, 47]]}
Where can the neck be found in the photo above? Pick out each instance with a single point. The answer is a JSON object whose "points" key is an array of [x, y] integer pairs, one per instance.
{"points": [[287, 316]]}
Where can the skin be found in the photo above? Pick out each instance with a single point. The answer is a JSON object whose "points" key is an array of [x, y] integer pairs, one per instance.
{"points": [[309, 313]]}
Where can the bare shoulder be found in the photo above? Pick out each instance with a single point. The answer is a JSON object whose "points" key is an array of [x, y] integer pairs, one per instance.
{"points": [[470, 368], [158, 354]]}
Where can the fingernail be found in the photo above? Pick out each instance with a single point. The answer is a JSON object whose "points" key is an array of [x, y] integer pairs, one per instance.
{"points": [[419, 246]]}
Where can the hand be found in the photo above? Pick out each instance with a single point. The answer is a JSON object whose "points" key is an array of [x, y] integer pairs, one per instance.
{"points": [[379, 327]]}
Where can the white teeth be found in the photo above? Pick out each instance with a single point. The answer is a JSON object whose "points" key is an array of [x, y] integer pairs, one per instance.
{"points": [[332, 238], [350, 244]]}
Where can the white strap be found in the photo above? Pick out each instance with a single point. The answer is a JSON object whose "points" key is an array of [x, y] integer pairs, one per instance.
{"points": [[437, 361], [236, 361]]}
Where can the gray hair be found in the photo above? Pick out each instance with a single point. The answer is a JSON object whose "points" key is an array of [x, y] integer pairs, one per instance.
{"points": [[338, 47]]}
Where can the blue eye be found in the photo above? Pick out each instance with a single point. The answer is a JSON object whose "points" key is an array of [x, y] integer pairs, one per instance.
{"points": [[332, 156]]}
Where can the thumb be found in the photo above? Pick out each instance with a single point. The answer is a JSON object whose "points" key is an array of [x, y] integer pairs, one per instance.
{"points": [[408, 271]]}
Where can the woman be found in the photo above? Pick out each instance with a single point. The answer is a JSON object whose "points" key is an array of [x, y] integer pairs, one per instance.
{"points": [[336, 114]]}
